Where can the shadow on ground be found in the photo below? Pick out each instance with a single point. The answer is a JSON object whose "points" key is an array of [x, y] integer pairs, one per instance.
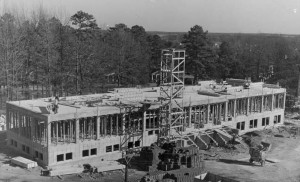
{"points": [[230, 161]]}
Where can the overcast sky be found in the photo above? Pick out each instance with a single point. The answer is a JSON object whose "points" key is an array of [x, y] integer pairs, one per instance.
{"points": [[229, 16]]}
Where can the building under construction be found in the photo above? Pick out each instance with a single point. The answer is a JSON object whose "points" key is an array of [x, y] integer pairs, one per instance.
{"points": [[103, 125]]}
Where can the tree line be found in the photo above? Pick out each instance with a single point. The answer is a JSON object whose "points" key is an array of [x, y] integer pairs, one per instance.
{"points": [[45, 55]]}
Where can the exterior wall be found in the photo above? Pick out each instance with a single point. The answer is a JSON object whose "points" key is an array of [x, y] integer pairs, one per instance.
{"points": [[41, 158], [23, 139], [211, 115]]}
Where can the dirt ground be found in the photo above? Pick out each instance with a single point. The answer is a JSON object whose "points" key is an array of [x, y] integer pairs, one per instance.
{"points": [[283, 164]]}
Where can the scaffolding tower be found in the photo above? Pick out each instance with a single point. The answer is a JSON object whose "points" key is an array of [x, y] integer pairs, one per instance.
{"points": [[171, 94]]}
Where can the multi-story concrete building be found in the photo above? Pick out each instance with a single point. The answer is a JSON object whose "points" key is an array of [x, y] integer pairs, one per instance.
{"points": [[101, 125]]}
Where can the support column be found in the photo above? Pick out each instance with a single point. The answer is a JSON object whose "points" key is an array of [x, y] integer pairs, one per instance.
{"points": [[63, 130], [234, 108], [272, 102], [262, 104], [226, 112], [208, 113], [32, 127], [98, 128], [284, 99], [144, 121], [76, 130], [190, 116], [117, 124], [111, 124], [248, 105], [48, 132], [19, 121], [105, 125], [56, 128]]}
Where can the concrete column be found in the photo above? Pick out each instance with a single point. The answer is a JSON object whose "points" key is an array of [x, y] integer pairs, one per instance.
{"points": [[105, 119], [48, 132], [32, 127], [262, 104], [56, 128], [284, 99], [248, 105], [111, 124], [219, 112], [77, 130], [226, 111], [19, 121], [98, 128], [234, 108], [117, 124], [7, 119], [190, 116], [208, 110], [144, 121], [144, 134], [64, 130], [272, 102]]}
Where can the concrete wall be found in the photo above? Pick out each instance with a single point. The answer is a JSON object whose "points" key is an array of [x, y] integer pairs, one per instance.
{"points": [[33, 147]]}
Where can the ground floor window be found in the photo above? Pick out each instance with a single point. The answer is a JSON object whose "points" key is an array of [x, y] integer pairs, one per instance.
{"points": [[116, 147], [137, 143], [41, 156], [85, 153], [265, 121], [108, 148], [69, 156], [240, 125], [27, 150], [253, 123], [94, 151], [60, 157]]}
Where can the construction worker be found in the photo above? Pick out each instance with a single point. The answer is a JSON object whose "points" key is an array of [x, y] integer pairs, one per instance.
{"points": [[55, 104]]}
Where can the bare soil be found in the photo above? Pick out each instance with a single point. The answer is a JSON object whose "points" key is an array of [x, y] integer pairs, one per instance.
{"points": [[283, 160]]}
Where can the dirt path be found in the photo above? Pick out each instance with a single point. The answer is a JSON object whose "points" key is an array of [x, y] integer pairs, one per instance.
{"points": [[286, 152]]}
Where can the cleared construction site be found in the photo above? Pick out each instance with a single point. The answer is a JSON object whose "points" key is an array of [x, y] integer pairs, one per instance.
{"points": [[104, 126]]}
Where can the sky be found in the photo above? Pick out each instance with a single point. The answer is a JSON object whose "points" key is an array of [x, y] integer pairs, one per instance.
{"points": [[220, 16]]}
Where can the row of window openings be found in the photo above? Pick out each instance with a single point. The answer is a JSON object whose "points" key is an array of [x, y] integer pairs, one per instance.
{"points": [[86, 153], [151, 132], [61, 157], [27, 149], [253, 123], [116, 147]]}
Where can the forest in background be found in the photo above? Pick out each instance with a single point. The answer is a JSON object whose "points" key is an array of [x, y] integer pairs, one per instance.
{"points": [[42, 56]]}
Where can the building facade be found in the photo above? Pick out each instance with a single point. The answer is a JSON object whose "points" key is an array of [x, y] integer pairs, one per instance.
{"points": [[100, 126]]}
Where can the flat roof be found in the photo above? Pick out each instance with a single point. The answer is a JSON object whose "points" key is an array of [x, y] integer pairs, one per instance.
{"points": [[115, 101]]}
